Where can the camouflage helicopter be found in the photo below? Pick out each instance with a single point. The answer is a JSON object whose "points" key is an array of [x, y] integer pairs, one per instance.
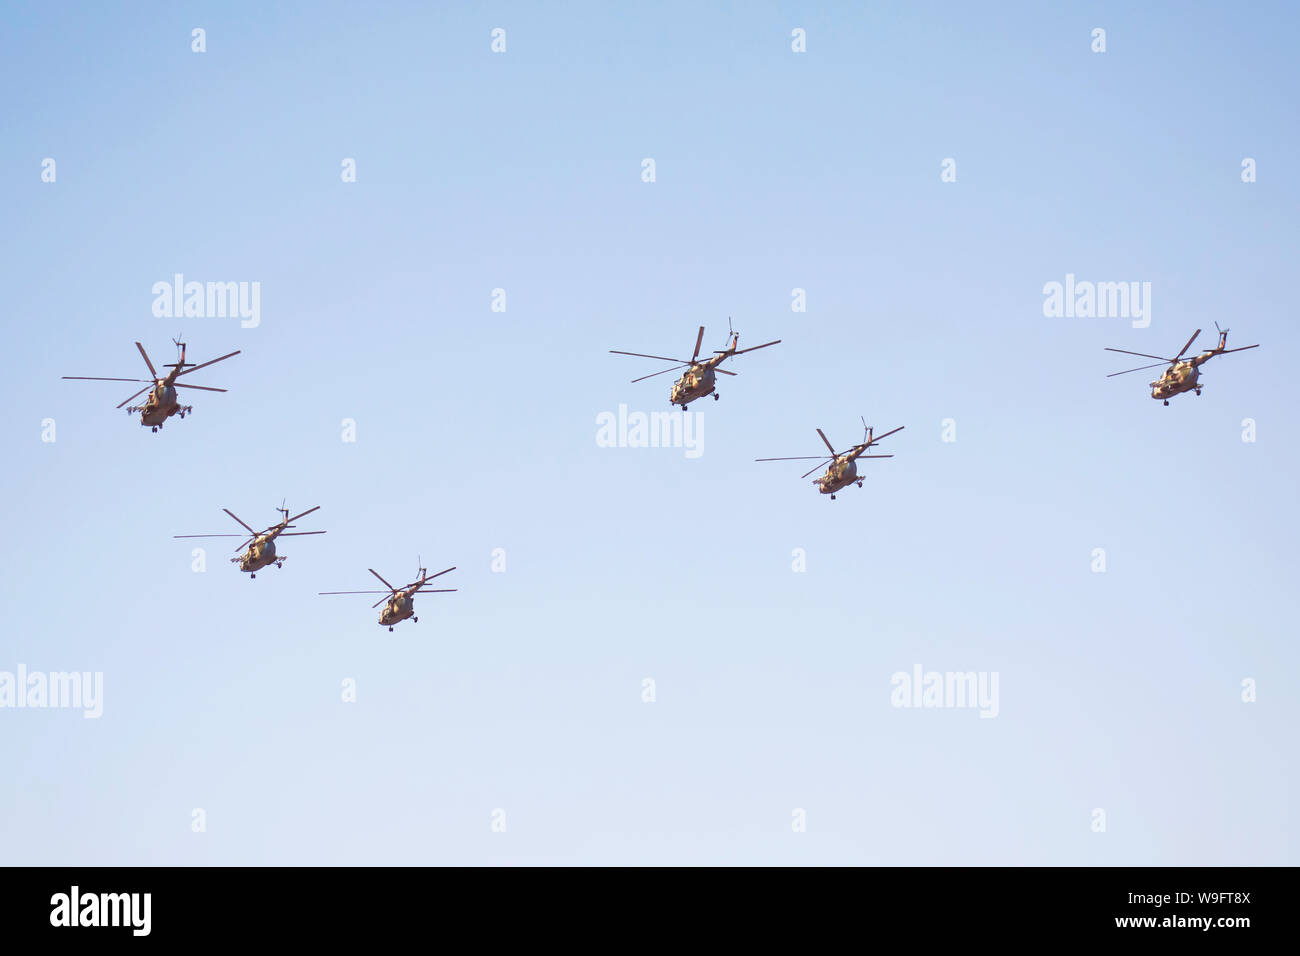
{"points": [[1182, 375], [261, 546], [399, 603], [842, 470], [698, 379], [162, 402]]}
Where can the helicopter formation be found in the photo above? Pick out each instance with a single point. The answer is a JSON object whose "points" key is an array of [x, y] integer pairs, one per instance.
{"points": [[258, 550], [698, 381]]}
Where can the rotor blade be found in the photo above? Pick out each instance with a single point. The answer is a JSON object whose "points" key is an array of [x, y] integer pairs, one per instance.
{"points": [[307, 512], [351, 592], [1188, 345], [294, 534], [386, 584], [755, 348], [662, 358], [1138, 369], [141, 392], [811, 470], [430, 577], [152, 371], [876, 438], [723, 371], [875, 456], [794, 458], [699, 339], [386, 597], [1142, 355], [436, 590], [96, 378], [206, 364], [1242, 349], [205, 536], [828, 444], [660, 372], [237, 518], [202, 388]]}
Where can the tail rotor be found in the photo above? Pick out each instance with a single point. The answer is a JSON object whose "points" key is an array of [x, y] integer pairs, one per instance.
{"points": [[180, 362], [733, 338]]}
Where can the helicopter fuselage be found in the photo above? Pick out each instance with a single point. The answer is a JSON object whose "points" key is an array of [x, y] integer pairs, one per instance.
{"points": [[841, 473], [161, 405], [259, 554], [1178, 378], [697, 382], [399, 607]]}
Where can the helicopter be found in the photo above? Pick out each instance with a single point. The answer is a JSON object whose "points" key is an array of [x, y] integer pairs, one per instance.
{"points": [[162, 402], [399, 603], [261, 546], [1182, 375], [843, 469], [698, 379]]}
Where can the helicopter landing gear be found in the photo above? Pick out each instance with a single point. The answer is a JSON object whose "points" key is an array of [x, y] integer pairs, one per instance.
{"points": [[416, 620], [155, 428], [716, 396], [832, 497], [859, 483], [252, 577], [1166, 401], [390, 629], [1198, 391]]}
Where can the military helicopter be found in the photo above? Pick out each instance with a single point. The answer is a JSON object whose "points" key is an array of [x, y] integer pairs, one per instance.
{"points": [[261, 546], [1182, 375], [162, 402], [399, 603], [698, 379], [842, 470]]}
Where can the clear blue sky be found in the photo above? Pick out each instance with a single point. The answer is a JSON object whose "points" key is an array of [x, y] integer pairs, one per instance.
{"points": [[476, 430]]}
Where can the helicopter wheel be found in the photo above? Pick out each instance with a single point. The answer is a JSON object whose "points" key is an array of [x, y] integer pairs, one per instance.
{"points": [[416, 620], [390, 629], [252, 577], [716, 396], [1198, 391], [832, 497], [155, 428], [1166, 401]]}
